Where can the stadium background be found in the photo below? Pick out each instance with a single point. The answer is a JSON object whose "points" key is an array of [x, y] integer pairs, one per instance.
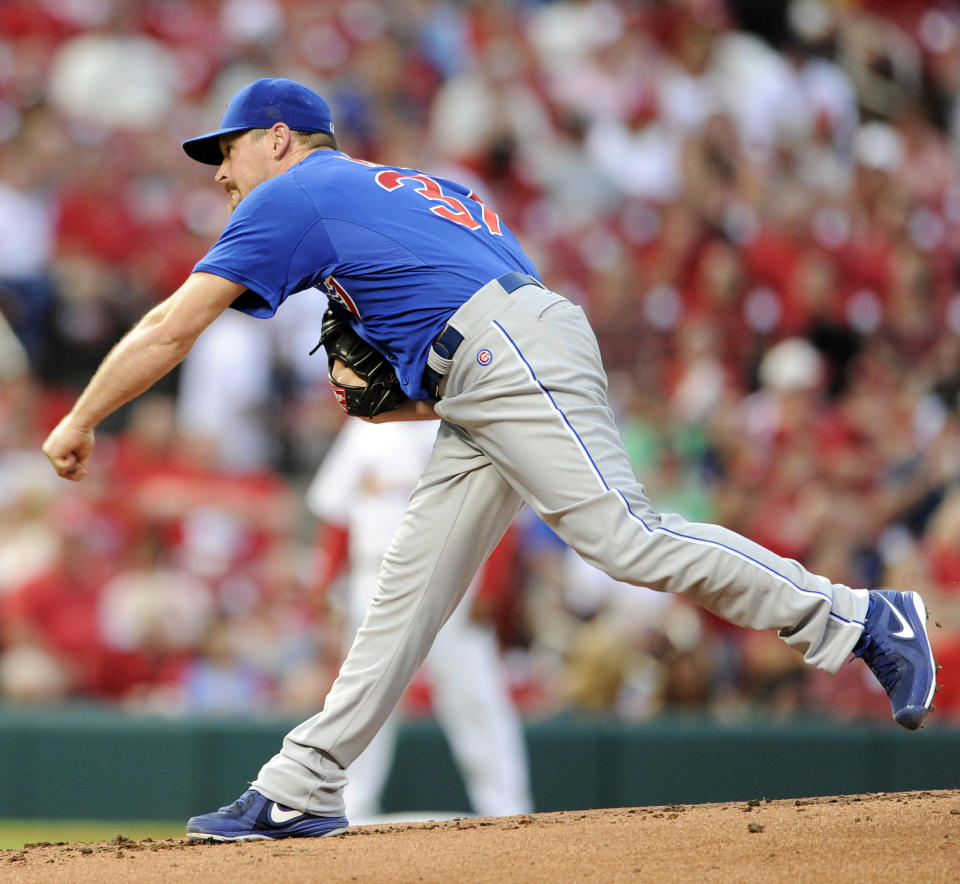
{"points": [[757, 203]]}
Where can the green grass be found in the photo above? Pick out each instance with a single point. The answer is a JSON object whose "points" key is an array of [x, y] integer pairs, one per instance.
{"points": [[16, 833]]}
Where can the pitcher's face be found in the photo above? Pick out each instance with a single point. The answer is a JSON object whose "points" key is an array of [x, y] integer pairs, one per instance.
{"points": [[245, 165]]}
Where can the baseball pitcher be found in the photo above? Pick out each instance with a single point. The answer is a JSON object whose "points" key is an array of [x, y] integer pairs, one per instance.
{"points": [[440, 313]]}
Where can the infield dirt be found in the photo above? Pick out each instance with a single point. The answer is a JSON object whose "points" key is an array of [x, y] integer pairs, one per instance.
{"points": [[908, 836]]}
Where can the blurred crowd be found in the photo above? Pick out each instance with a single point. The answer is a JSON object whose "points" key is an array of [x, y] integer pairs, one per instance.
{"points": [[757, 203]]}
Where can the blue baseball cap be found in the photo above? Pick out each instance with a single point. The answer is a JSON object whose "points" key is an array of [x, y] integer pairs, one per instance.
{"points": [[258, 106]]}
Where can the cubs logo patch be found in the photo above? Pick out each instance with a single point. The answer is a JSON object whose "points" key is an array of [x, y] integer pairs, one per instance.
{"points": [[484, 356], [338, 293]]}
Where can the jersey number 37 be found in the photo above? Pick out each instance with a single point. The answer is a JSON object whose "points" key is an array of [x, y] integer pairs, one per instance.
{"points": [[448, 207]]}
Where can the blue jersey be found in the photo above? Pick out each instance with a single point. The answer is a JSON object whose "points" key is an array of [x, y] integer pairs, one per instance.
{"points": [[397, 250]]}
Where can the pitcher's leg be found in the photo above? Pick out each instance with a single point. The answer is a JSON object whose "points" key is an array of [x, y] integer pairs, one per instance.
{"points": [[721, 571], [555, 440], [368, 774], [457, 514]]}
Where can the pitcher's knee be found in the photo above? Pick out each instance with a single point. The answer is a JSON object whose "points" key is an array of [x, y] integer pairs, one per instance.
{"points": [[631, 575]]}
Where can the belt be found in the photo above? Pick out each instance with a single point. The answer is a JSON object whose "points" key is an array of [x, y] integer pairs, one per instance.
{"points": [[449, 339]]}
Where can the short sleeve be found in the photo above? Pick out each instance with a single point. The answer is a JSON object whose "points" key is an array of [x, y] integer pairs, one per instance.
{"points": [[263, 244]]}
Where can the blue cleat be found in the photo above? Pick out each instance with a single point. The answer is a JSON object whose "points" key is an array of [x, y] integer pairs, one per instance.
{"points": [[253, 817], [895, 646]]}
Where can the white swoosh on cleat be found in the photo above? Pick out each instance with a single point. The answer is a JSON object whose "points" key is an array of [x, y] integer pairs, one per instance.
{"points": [[279, 817], [907, 630]]}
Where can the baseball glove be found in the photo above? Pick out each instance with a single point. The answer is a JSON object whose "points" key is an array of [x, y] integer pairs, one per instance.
{"points": [[382, 392]]}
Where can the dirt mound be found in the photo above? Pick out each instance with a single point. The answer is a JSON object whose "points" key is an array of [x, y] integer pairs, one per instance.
{"points": [[907, 836]]}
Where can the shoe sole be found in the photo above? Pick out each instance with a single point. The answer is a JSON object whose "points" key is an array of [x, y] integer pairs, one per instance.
{"points": [[911, 717], [256, 836]]}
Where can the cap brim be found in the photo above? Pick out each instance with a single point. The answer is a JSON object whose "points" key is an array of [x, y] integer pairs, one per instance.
{"points": [[206, 148]]}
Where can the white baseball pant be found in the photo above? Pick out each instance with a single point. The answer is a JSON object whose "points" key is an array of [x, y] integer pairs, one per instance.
{"points": [[525, 418]]}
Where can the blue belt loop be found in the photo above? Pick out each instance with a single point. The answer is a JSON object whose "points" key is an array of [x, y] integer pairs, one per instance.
{"points": [[510, 282], [446, 345], [449, 339]]}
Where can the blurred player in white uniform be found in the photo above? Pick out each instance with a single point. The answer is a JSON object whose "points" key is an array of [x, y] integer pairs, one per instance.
{"points": [[363, 486]]}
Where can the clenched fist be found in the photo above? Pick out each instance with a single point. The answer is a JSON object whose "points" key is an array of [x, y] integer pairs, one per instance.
{"points": [[69, 448]]}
